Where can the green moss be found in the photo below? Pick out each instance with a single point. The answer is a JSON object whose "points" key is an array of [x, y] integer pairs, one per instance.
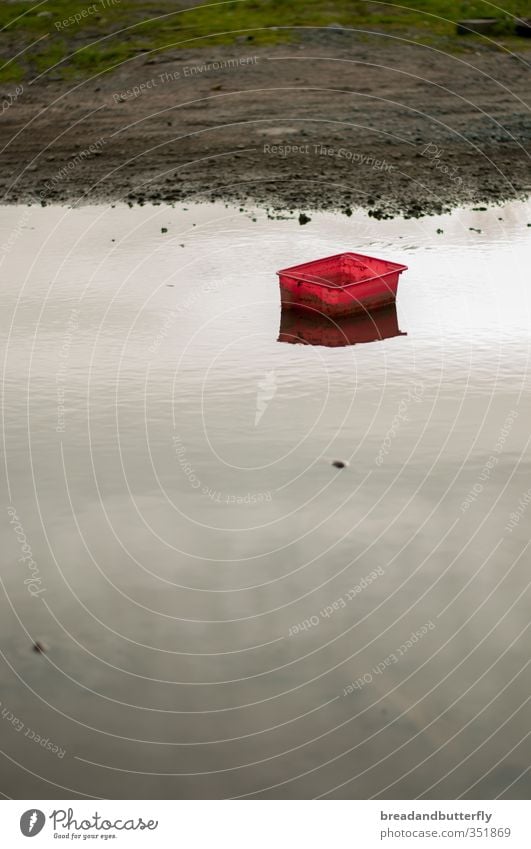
{"points": [[112, 31]]}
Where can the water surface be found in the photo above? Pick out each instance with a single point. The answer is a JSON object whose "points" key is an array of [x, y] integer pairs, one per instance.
{"points": [[226, 613]]}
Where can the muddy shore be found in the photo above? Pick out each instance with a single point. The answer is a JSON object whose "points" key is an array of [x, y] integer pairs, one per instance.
{"points": [[332, 122]]}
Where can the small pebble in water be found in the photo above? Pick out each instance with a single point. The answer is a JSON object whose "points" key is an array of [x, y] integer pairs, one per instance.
{"points": [[39, 647], [339, 464], [163, 229]]}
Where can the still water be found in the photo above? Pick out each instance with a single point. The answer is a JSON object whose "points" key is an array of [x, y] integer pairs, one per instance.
{"points": [[225, 613]]}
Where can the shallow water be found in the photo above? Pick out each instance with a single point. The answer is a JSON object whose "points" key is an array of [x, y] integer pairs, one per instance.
{"points": [[226, 613]]}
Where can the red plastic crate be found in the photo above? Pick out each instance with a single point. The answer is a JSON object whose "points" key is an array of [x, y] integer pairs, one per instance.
{"points": [[307, 327], [340, 285]]}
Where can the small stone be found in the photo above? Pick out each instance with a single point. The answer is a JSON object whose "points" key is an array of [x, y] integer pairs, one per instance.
{"points": [[439, 230], [303, 219], [163, 229], [339, 464]]}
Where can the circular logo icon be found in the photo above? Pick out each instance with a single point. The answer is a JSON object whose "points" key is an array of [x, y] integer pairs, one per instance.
{"points": [[31, 822]]}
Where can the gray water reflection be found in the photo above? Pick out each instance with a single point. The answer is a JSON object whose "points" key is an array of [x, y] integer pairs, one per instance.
{"points": [[226, 613]]}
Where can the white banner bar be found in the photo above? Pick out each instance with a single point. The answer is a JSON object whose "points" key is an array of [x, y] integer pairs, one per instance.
{"points": [[265, 824]]}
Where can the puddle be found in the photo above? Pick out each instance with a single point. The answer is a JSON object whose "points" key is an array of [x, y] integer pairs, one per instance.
{"points": [[225, 612]]}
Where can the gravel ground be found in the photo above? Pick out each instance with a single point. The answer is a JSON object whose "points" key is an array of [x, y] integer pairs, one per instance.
{"points": [[333, 122]]}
